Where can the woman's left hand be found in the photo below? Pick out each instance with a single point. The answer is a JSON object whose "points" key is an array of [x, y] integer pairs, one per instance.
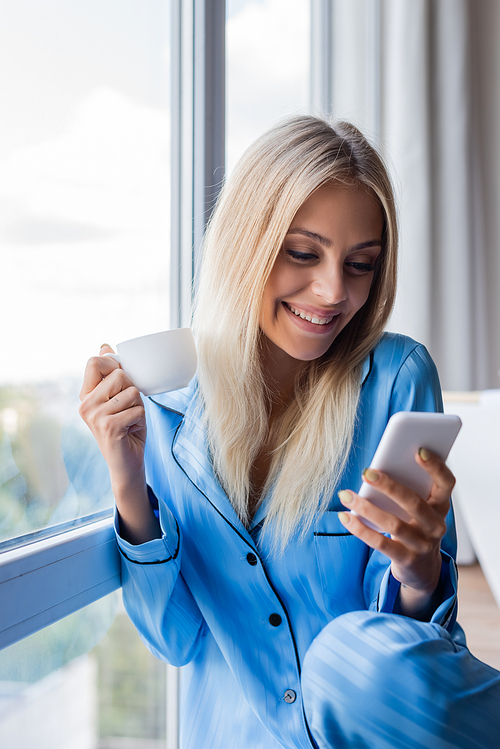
{"points": [[414, 545]]}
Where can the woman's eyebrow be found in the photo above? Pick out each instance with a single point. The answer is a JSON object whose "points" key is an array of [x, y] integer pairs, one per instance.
{"points": [[327, 242], [368, 243], [311, 234]]}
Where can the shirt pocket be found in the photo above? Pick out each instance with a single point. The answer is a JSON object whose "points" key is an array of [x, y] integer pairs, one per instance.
{"points": [[341, 560]]}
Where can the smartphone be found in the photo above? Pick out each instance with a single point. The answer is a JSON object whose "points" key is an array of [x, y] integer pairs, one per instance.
{"points": [[405, 433]]}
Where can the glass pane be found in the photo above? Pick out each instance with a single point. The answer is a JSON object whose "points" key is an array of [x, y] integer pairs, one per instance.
{"points": [[72, 686], [267, 67], [84, 232]]}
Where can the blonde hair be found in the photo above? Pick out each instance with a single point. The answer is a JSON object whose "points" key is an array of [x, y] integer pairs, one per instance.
{"points": [[254, 212]]}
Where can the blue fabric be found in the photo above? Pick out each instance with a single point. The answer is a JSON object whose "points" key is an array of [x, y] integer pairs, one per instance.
{"points": [[199, 601], [385, 681]]}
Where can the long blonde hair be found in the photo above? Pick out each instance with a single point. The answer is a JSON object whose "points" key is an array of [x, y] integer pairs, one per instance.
{"points": [[270, 183]]}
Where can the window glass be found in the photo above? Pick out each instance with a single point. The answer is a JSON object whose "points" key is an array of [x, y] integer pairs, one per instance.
{"points": [[76, 684], [84, 232], [267, 67]]}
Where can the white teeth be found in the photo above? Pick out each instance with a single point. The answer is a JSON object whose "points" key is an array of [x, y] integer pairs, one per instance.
{"points": [[314, 320]]}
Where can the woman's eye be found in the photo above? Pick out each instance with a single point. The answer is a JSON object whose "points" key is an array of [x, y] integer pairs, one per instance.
{"points": [[301, 257], [361, 267]]}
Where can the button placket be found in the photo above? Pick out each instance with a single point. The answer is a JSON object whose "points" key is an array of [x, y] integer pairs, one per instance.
{"points": [[275, 620]]}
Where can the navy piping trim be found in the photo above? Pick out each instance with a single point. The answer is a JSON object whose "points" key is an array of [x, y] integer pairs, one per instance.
{"points": [[369, 368], [318, 533], [158, 561], [297, 659], [167, 408]]}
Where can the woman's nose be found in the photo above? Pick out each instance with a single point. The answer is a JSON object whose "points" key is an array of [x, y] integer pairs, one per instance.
{"points": [[330, 286]]}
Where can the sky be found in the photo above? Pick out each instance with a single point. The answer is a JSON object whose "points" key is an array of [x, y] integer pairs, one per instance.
{"points": [[84, 163]]}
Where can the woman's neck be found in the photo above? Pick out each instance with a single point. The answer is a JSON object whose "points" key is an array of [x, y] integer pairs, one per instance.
{"points": [[280, 374]]}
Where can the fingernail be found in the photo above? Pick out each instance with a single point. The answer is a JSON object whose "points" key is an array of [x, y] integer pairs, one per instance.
{"points": [[371, 475], [345, 517], [105, 344], [424, 454], [345, 497]]}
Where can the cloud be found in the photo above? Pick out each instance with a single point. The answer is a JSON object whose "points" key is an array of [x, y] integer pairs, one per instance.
{"points": [[109, 169], [84, 222]]}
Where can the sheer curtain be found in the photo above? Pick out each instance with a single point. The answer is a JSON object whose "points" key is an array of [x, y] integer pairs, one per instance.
{"points": [[401, 71]]}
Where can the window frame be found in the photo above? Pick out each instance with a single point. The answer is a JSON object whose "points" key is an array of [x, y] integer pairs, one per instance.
{"points": [[197, 154]]}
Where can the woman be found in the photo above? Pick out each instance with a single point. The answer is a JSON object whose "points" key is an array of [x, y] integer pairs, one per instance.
{"points": [[281, 605]]}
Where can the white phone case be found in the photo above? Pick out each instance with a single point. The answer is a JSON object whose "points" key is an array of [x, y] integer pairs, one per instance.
{"points": [[405, 433]]}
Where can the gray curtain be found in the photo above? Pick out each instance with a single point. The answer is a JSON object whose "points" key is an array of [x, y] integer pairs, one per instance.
{"points": [[401, 71]]}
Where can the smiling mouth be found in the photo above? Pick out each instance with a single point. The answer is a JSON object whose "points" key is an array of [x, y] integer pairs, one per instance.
{"points": [[310, 318]]}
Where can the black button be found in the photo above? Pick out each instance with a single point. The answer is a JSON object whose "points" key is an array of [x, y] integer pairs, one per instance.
{"points": [[251, 559], [275, 620]]}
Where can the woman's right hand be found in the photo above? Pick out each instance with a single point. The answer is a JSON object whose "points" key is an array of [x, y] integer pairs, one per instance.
{"points": [[113, 410]]}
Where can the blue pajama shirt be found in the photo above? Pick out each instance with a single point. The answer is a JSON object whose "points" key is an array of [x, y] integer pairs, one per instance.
{"points": [[210, 597]]}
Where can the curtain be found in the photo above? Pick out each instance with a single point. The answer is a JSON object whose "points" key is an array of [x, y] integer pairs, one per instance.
{"points": [[401, 71]]}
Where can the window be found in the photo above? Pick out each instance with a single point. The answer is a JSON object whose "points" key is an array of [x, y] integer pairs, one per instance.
{"points": [[268, 51], [85, 239], [87, 678], [84, 233]]}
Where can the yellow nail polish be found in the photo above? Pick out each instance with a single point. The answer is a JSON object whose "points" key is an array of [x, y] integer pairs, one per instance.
{"points": [[371, 475], [345, 517], [345, 497], [424, 454]]}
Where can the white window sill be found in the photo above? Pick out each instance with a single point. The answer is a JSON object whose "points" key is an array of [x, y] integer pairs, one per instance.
{"points": [[47, 580]]}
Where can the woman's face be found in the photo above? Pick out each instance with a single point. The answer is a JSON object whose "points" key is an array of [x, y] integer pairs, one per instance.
{"points": [[322, 275]]}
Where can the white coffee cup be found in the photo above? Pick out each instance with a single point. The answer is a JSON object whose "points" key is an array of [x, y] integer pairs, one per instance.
{"points": [[159, 362]]}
